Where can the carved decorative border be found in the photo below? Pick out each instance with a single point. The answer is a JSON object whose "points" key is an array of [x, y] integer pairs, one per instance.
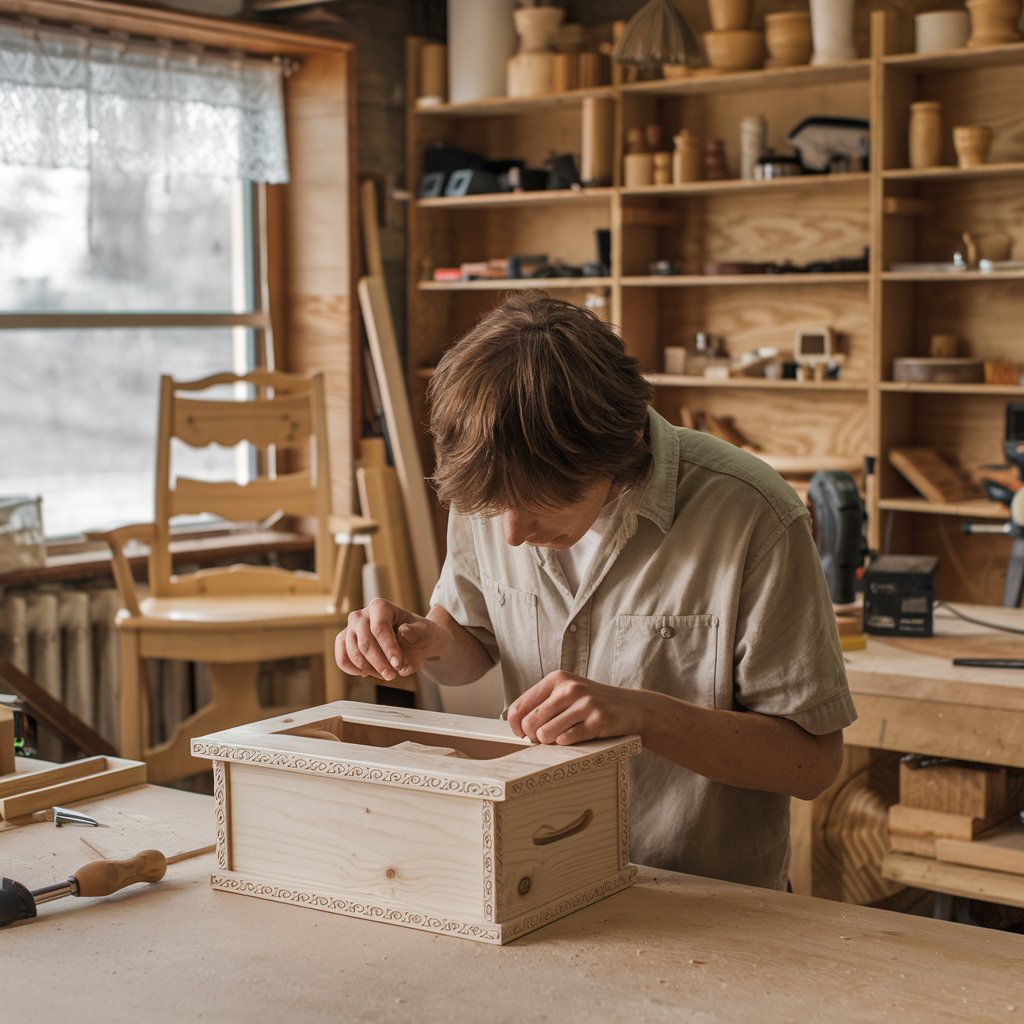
{"points": [[575, 901], [623, 813], [220, 795], [357, 908], [571, 768], [487, 823], [346, 770]]}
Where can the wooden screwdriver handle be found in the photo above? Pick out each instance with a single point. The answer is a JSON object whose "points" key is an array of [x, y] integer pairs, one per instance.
{"points": [[102, 877]]}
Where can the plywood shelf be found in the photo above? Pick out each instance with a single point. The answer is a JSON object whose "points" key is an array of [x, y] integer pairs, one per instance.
{"points": [[993, 390], [973, 508], [498, 106], [515, 284], [959, 276], [733, 280], [958, 60], [733, 186], [1008, 169], [757, 80], [500, 200], [677, 380]]}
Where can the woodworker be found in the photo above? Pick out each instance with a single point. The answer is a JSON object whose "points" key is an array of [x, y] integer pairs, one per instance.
{"points": [[632, 577]]}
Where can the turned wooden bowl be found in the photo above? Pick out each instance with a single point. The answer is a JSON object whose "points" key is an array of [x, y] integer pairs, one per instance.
{"points": [[734, 49]]}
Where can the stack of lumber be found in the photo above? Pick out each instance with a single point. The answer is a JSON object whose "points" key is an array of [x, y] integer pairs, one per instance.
{"points": [[960, 813]]}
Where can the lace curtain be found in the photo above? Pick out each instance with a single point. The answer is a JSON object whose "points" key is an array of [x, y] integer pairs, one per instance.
{"points": [[92, 103]]}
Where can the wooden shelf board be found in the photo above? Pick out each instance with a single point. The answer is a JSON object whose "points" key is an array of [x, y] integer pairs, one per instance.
{"points": [[956, 879], [994, 390], [729, 280], [958, 60], [496, 106], [944, 172], [515, 283], [756, 80], [729, 186], [540, 197], [678, 380], [972, 508], [953, 275]]}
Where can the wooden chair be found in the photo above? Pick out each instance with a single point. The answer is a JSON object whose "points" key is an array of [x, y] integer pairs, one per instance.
{"points": [[233, 617]]}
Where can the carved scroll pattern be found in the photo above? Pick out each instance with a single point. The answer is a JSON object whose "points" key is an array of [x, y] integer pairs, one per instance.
{"points": [[571, 768], [220, 795], [488, 858], [342, 769], [623, 813], [355, 908]]}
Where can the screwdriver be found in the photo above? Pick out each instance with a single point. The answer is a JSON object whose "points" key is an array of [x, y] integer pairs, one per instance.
{"points": [[97, 878]]}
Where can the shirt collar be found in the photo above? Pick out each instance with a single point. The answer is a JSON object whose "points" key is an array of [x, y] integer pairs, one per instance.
{"points": [[658, 498]]}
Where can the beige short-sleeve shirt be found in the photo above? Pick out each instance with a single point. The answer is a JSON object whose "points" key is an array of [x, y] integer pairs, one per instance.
{"points": [[709, 589]]}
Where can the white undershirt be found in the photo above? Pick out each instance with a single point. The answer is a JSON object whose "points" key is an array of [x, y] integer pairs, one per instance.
{"points": [[575, 561]]}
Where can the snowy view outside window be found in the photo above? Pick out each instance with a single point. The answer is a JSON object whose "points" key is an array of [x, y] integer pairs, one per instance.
{"points": [[78, 404]]}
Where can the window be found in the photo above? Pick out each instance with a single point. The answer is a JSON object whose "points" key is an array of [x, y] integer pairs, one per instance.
{"points": [[121, 265]]}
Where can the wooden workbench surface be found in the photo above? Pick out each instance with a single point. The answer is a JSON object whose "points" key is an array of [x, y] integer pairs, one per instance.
{"points": [[672, 948]]}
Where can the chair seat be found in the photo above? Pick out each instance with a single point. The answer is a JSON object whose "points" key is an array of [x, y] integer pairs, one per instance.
{"points": [[242, 613]]}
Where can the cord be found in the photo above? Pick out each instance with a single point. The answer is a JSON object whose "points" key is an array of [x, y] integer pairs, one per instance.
{"points": [[977, 622]]}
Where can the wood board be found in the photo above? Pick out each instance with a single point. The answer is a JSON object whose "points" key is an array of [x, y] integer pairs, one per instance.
{"points": [[398, 415], [1001, 849], [52, 786], [932, 475]]}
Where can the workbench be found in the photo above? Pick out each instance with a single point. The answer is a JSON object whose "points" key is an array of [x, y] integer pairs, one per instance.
{"points": [[912, 699], [670, 948]]}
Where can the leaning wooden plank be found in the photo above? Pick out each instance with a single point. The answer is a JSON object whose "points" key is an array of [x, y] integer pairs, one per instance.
{"points": [[50, 711], [6, 741], [119, 775], [27, 781], [381, 334]]}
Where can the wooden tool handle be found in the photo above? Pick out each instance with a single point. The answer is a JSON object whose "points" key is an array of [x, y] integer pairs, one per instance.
{"points": [[102, 877]]}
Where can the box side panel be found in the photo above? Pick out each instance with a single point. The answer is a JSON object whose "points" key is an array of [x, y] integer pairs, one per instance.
{"points": [[340, 836], [557, 840]]}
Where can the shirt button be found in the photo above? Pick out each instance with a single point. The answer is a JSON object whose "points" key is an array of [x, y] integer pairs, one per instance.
{"points": [[572, 628], [667, 632]]}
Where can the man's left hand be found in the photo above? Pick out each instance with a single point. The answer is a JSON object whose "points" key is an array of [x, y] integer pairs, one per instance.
{"points": [[563, 708]]}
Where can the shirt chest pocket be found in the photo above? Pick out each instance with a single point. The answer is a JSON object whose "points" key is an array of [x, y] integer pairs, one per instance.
{"points": [[673, 654], [514, 619]]}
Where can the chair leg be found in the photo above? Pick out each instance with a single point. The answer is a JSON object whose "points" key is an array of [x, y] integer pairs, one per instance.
{"points": [[134, 699], [335, 682]]}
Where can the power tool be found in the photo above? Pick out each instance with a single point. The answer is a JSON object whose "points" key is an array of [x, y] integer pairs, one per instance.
{"points": [[838, 531]]}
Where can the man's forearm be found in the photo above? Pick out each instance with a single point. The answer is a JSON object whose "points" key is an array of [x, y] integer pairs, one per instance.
{"points": [[457, 658], [742, 749]]}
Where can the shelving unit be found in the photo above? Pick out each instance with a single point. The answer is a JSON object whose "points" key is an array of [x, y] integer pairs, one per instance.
{"points": [[878, 314]]}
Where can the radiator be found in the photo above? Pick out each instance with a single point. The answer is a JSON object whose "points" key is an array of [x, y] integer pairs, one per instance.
{"points": [[65, 639]]}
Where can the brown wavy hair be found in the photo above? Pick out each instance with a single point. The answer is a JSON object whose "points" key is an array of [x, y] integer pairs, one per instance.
{"points": [[537, 403]]}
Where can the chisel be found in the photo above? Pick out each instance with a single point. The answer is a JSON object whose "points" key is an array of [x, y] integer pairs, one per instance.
{"points": [[97, 878]]}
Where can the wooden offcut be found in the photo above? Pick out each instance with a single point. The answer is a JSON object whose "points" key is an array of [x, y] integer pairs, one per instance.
{"points": [[932, 475], [987, 792], [382, 822], [36, 791]]}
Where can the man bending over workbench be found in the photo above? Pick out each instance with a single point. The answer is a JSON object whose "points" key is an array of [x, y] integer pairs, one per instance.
{"points": [[632, 577]]}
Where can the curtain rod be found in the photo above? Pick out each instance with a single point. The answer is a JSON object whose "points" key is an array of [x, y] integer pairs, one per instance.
{"points": [[122, 42]]}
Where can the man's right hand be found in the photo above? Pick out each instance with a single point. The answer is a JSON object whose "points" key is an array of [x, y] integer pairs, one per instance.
{"points": [[383, 641]]}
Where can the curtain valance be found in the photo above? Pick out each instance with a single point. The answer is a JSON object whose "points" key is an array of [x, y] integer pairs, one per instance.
{"points": [[92, 102]]}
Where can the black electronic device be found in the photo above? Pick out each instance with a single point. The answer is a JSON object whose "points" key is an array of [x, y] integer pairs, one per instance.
{"points": [[1013, 442], [899, 595], [838, 531]]}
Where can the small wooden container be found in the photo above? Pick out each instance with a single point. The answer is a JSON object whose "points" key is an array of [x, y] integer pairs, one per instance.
{"points": [[440, 822]]}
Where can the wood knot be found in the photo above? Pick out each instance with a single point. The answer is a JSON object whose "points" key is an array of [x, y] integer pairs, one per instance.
{"points": [[391, 873], [524, 886]]}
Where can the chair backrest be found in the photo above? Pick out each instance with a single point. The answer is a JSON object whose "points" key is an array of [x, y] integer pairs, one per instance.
{"points": [[274, 415]]}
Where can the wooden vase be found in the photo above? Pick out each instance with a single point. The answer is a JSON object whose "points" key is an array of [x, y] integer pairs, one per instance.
{"points": [[993, 22], [729, 13], [924, 134], [832, 31], [788, 38], [972, 143], [531, 69]]}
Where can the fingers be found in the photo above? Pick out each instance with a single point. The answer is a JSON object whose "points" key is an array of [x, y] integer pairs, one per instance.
{"points": [[368, 645], [524, 704]]}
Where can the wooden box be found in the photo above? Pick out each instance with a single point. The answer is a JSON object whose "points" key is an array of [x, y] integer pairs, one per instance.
{"points": [[441, 822]]}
